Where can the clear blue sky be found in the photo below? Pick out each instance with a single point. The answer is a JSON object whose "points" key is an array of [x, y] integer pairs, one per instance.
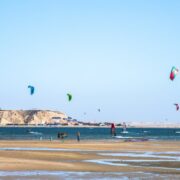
{"points": [[110, 54]]}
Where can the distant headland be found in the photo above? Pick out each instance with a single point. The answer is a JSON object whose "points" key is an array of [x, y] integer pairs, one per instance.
{"points": [[41, 118], [55, 118]]}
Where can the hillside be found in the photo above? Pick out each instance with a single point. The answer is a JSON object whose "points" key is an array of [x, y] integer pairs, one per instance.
{"points": [[31, 117]]}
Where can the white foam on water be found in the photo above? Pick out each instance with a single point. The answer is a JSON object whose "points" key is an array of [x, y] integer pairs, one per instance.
{"points": [[65, 175], [145, 155], [122, 137], [107, 162], [121, 162], [35, 133], [115, 162], [148, 160], [124, 132], [151, 152], [71, 175], [169, 152]]}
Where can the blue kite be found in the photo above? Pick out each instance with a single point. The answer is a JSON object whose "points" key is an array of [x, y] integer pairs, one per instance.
{"points": [[32, 89]]}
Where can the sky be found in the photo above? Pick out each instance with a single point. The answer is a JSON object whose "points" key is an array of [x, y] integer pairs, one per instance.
{"points": [[114, 55]]}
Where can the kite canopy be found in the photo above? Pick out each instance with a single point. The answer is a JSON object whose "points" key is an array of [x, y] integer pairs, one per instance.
{"points": [[177, 107], [69, 96], [99, 110], [174, 72], [31, 89]]}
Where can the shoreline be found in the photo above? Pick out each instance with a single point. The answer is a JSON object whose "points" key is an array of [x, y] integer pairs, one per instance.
{"points": [[60, 126], [90, 158]]}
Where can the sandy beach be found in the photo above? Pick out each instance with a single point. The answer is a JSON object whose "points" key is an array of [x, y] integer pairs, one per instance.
{"points": [[156, 157]]}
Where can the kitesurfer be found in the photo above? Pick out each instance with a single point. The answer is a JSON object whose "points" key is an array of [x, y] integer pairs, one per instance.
{"points": [[78, 136], [113, 133]]}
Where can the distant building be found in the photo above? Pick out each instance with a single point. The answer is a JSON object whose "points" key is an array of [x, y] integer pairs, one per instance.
{"points": [[56, 117]]}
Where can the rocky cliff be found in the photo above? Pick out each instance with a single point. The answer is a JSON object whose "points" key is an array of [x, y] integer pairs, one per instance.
{"points": [[31, 117]]}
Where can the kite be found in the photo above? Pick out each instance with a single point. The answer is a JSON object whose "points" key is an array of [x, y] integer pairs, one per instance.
{"points": [[69, 97], [99, 110], [177, 107], [174, 72], [31, 89]]}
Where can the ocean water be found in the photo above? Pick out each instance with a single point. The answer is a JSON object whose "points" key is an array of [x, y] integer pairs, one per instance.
{"points": [[33, 133]]}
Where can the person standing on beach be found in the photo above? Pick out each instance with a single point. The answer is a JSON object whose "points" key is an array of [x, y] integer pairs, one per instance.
{"points": [[78, 136]]}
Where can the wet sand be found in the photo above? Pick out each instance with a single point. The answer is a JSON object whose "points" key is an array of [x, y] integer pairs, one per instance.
{"points": [[156, 157]]}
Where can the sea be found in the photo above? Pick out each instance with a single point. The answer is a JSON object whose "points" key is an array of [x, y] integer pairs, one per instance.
{"points": [[88, 133]]}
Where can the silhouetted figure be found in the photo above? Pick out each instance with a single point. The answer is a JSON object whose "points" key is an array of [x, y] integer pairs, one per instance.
{"points": [[61, 135], [78, 136]]}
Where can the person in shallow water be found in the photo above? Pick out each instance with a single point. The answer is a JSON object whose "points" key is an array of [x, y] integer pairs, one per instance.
{"points": [[78, 136], [62, 135], [113, 129], [58, 135]]}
